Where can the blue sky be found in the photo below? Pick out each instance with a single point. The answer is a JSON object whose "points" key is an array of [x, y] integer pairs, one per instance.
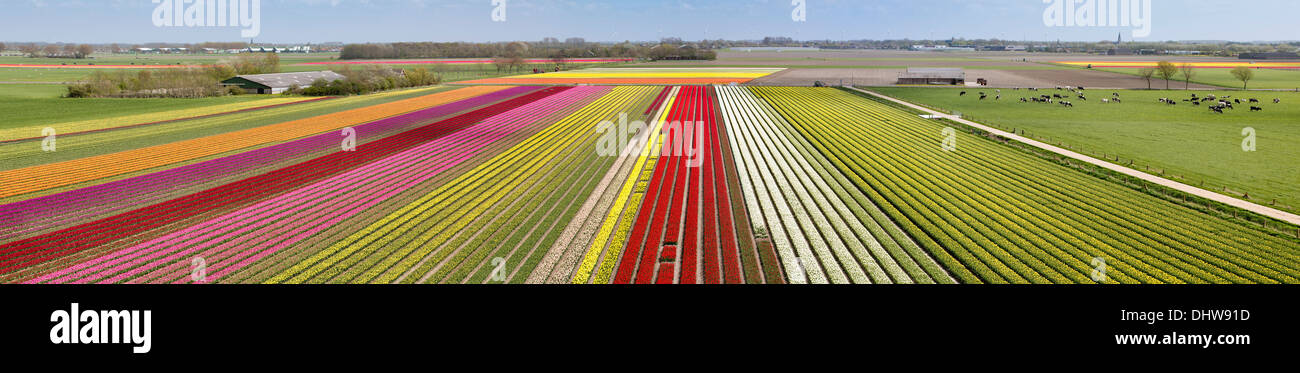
{"points": [[294, 21]]}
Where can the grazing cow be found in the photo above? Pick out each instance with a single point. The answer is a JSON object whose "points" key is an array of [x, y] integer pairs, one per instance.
{"points": [[1216, 109], [1080, 88], [1197, 103], [1083, 98], [963, 93], [1022, 99], [1105, 100], [1254, 100], [1256, 108], [1277, 101], [1237, 101], [1116, 100], [982, 97]]}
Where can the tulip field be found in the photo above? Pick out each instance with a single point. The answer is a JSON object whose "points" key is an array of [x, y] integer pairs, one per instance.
{"points": [[510, 182]]}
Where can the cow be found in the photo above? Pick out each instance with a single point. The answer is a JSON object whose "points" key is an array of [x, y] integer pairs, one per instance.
{"points": [[1022, 99], [1254, 100], [963, 93], [1105, 100], [1277, 101], [1256, 108]]}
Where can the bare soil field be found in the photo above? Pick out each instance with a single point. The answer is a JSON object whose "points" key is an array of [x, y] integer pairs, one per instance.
{"points": [[996, 78], [882, 67]]}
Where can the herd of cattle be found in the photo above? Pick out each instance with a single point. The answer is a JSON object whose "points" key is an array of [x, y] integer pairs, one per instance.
{"points": [[1216, 104]]}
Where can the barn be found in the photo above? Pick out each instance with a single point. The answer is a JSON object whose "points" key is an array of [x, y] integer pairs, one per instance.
{"points": [[948, 76], [277, 83]]}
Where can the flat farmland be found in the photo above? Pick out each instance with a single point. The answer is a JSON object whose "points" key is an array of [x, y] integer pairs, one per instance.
{"points": [[635, 184]]}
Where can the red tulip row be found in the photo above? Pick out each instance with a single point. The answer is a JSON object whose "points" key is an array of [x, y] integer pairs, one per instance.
{"points": [[50, 246], [659, 100], [685, 223]]}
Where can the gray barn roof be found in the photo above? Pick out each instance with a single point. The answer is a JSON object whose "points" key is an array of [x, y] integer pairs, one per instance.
{"points": [[935, 73], [285, 80]]}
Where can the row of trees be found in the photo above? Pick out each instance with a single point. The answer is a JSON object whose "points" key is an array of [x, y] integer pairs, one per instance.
{"points": [[1167, 70], [54, 50], [177, 83], [551, 48]]}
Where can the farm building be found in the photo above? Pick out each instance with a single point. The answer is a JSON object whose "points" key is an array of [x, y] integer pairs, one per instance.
{"points": [[276, 83], [949, 76]]}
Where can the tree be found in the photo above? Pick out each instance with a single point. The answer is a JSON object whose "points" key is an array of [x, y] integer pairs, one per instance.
{"points": [[1188, 72], [29, 49], [1244, 74], [1167, 71], [84, 51], [115, 48], [51, 50], [2, 47], [1147, 73]]}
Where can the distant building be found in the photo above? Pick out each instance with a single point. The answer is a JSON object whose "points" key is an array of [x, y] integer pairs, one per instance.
{"points": [[934, 76], [1120, 52], [1269, 56], [941, 48], [1006, 48], [277, 83]]}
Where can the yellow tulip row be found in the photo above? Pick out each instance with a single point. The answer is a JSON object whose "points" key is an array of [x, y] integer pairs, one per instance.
{"points": [[387, 249], [991, 213], [36, 178]]}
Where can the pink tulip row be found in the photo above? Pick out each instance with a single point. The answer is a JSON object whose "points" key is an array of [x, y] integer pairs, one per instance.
{"points": [[65, 207], [236, 239]]}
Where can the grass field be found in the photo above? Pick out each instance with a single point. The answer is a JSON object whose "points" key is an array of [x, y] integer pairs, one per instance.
{"points": [[1264, 78], [1186, 142], [28, 105]]}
